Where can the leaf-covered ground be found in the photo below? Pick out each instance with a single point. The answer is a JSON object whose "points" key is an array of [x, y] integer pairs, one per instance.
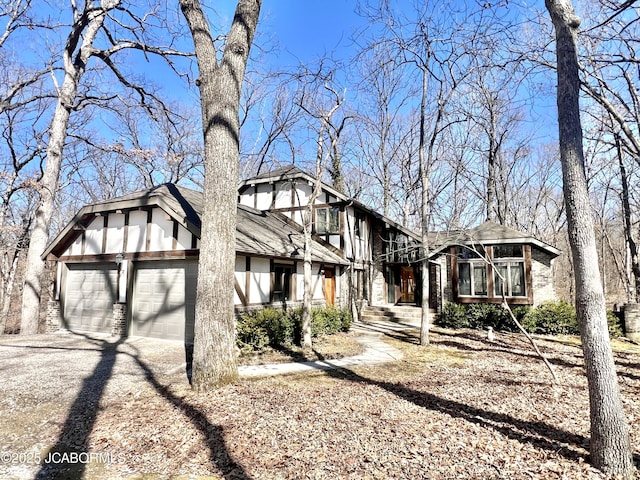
{"points": [[461, 408]]}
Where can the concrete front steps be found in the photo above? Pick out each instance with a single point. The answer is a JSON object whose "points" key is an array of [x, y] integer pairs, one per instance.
{"points": [[409, 315]]}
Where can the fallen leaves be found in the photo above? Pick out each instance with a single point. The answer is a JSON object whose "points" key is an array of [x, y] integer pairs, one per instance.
{"points": [[463, 408]]}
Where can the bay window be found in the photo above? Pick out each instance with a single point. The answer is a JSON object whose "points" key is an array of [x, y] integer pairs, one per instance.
{"points": [[483, 275]]}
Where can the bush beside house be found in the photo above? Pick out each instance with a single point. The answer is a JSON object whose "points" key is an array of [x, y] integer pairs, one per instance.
{"points": [[272, 327], [548, 318]]}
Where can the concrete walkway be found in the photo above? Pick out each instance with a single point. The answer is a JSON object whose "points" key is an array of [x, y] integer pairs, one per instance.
{"points": [[377, 352]]}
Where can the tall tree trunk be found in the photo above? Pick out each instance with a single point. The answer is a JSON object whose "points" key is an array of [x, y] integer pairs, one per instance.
{"points": [[610, 444], [424, 220], [628, 225], [214, 357], [307, 297], [491, 167], [85, 28]]}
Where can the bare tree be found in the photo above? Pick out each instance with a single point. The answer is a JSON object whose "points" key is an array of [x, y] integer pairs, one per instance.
{"points": [[220, 84], [610, 443], [383, 130], [320, 100], [89, 24], [609, 76]]}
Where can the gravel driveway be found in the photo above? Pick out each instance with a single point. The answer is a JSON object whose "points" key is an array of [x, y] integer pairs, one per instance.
{"points": [[57, 382]]}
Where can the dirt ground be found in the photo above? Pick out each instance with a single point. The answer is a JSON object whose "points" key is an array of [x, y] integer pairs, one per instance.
{"points": [[94, 407]]}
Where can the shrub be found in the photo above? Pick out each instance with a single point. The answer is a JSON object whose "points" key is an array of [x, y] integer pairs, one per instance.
{"points": [[259, 329], [329, 320], [250, 333], [552, 318], [279, 325], [480, 316], [615, 325], [454, 315]]}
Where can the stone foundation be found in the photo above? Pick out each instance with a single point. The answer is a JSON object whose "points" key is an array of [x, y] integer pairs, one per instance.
{"points": [[119, 322], [632, 322], [53, 316]]}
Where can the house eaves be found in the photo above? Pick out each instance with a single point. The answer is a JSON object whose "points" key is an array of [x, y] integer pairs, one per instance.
{"points": [[487, 233], [293, 173], [257, 233]]}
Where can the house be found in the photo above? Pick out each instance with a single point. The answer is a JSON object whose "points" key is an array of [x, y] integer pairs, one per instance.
{"points": [[469, 266], [484, 262], [382, 255], [129, 265]]}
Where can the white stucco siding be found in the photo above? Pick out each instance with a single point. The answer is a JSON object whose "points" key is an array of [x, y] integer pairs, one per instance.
{"points": [[350, 242], [115, 233], [76, 247], [93, 237], [240, 276], [317, 280], [137, 231], [298, 217], [247, 197], [283, 195], [184, 238], [302, 194], [160, 231], [335, 240], [264, 196], [260, 283]]}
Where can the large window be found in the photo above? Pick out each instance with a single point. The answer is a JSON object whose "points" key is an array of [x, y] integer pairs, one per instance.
{"points": [[509, 272], [472, 272], [327, 220], [486, 274]]}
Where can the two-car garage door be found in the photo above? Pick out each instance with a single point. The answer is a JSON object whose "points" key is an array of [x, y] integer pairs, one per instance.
{"points": [[162, 304]]}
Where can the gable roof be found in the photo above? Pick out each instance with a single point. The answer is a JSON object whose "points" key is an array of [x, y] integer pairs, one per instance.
{"points": [[291, 172], [487, 233], [257, 233]]}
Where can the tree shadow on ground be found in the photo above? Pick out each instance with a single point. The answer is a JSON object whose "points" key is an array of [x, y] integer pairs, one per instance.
{"points": [[218, 453], [538, 434], [66, 458], [503, 347], [70, 452]]}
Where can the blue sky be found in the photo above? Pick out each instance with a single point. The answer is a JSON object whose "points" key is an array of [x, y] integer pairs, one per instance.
{"points": [[304, 29], [309, 29]]}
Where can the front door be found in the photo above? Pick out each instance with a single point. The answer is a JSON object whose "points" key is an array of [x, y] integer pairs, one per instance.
{"points": [[407, 285], [329, 287]]}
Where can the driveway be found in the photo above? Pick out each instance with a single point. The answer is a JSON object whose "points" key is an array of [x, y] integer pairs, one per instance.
{"points": [[52, 388]]}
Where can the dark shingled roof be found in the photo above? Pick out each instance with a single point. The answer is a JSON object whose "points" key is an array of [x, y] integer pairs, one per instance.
{"points": [[487, 233], [257, 233]]}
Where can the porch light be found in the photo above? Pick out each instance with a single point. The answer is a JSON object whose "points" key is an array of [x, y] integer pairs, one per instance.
{"points": [[119, 259]]}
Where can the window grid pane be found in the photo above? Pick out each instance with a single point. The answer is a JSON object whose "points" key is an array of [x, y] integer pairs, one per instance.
{"points": [[517, 279], [500, 273], [464, 279], [479, 280]]}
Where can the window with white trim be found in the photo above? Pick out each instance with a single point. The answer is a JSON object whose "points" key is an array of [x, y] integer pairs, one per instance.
{"points": [[472, 272], [509, 271]]}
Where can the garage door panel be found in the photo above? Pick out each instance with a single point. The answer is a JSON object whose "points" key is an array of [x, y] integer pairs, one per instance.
{"points": [[164, 300], [89, 297]]}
